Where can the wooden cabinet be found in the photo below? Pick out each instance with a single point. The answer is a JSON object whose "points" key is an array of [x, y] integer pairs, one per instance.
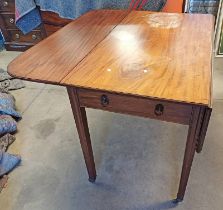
{"points": [[15, 40], [7, 5]]}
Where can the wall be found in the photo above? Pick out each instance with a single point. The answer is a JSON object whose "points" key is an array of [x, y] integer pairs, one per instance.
{"points": [[173, 6]]}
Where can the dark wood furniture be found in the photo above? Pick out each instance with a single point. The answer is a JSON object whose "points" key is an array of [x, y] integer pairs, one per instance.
{"points": [[15, 40], [153, 65], [52, 22]]}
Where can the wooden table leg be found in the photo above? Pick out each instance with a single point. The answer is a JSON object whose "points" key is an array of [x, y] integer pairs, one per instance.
{"points": [[83, 131], [192, 138], [204, 128]]}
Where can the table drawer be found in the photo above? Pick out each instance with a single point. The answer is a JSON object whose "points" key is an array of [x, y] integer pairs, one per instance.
{"points": [[32, 37], [127, 104], [7, 5]]}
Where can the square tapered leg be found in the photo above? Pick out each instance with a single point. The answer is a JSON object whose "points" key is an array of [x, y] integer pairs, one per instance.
{"points": [[191, 145], [83, 131]]}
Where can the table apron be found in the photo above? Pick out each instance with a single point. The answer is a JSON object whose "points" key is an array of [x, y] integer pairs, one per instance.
{"points": [[137, 106]]}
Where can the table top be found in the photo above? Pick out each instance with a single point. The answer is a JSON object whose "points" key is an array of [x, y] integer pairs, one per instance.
{"points": [[156, 55]]}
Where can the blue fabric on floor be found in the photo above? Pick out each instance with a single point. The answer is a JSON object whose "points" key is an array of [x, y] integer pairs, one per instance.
{"points": [[7, 105], [7, 124], [8, 162]]}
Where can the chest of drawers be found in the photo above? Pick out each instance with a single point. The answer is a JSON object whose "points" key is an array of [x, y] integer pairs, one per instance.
{"points": [[15, 40]]}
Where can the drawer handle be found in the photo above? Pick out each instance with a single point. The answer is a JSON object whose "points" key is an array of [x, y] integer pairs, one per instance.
{"points": [[17, 46], [34, 37], [5, 3], [104, 100], [159, 109], [11, 20], [17, 36]]}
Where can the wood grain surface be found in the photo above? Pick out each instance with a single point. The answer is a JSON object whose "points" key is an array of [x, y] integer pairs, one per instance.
{"points": [[149, 55], [157, 55], [56, 56]]}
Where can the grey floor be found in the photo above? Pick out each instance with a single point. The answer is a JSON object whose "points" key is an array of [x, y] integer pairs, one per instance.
{"points": [[138, 160]]}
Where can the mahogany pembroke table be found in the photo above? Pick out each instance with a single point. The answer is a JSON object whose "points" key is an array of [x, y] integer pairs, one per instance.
{"points": [[155, 65]]}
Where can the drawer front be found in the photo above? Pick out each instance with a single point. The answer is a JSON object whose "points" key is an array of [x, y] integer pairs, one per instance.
{"points": [[9, 20], [7, 6], [10, 46], [32, 37], [151, 108]]}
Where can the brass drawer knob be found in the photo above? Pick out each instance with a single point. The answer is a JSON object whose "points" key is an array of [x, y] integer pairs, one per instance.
{"points": [[159, 109], [104, 100], [11, 20], [34, 37], [17, 36], [5, 3]]}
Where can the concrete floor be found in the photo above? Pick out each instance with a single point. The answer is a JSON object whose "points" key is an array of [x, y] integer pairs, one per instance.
{"points": [[138, 160]]}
